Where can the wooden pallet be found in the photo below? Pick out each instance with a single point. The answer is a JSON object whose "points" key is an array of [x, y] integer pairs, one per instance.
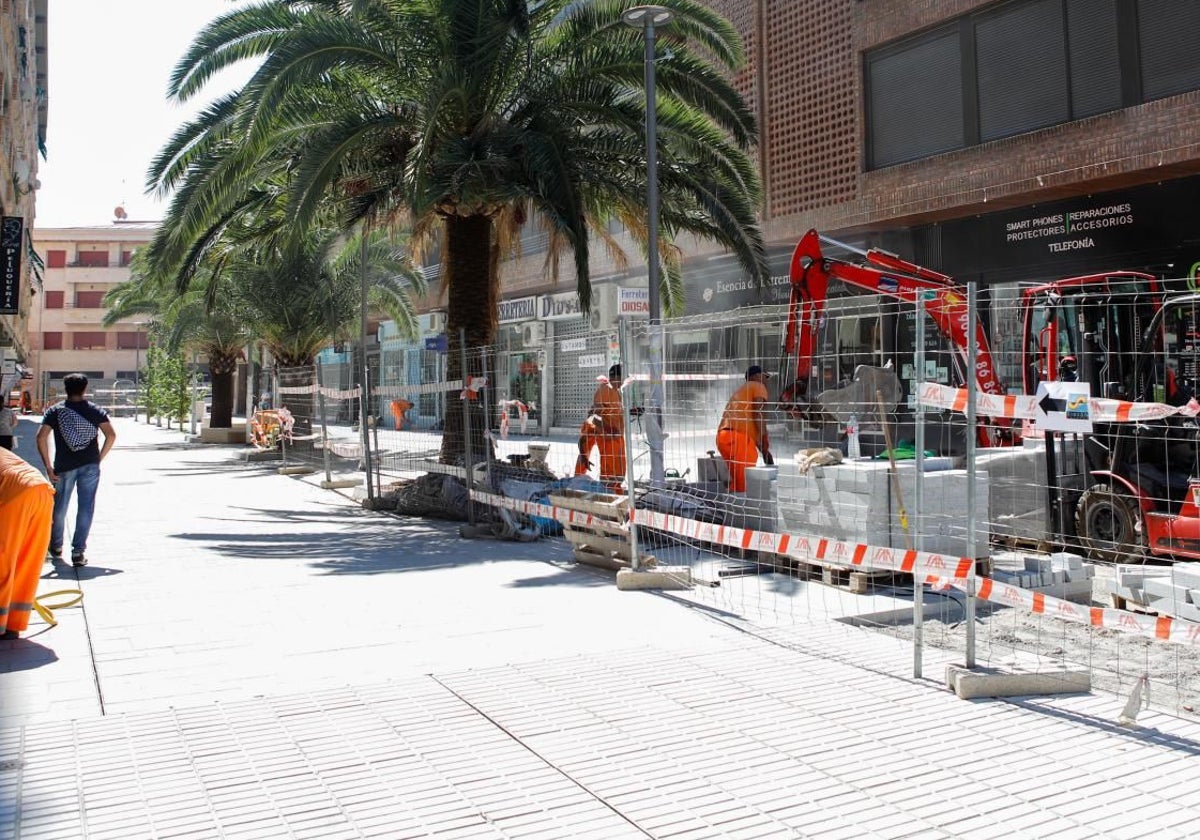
{"points": [[604, 540]]}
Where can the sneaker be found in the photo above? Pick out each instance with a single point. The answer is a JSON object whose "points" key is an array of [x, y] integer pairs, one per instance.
{"points": [[54, 553], [78, 559]]}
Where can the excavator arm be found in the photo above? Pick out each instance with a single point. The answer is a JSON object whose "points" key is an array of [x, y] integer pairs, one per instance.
{"points": [[881, 273]]}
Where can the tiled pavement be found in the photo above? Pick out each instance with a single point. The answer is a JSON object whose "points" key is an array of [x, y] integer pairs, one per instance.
{"points": [[258, 659]]}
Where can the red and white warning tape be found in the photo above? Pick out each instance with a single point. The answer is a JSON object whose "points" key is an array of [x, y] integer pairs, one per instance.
{"points": [[563, 515], [425, 388], [329, 393], [1024, 407], [938, 570]]}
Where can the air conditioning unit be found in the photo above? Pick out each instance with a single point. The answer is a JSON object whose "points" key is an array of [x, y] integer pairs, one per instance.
{"points": [[533, 334], [603, 316], [437, 322]]}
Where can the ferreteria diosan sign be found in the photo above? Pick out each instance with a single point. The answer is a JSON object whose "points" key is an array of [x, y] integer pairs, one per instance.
{"points": [[12, 238]]}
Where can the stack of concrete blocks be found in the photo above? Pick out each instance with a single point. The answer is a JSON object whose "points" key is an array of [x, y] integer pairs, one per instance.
{"points": [[1062, 575], [1166, 590], [854, 501], [1017, 497], [758, 510]]}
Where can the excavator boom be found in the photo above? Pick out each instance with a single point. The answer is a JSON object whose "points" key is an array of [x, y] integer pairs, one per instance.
{"points": [[886, 274]]}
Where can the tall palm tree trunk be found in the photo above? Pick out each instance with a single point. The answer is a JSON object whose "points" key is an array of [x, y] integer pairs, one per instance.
{"points": [[473, 293], [222, 369]]}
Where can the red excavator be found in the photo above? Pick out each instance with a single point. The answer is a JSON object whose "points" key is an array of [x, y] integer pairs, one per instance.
{"points": [[882, 273], [1126, 489]]}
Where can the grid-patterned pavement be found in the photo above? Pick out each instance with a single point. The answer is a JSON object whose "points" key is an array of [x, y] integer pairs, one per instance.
{"points": [[490, 691]]}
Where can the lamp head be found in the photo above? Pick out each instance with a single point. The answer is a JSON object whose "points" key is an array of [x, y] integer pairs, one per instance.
{"points": [[641, 17]]}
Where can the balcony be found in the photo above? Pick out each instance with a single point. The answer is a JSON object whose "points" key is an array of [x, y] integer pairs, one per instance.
{"points": [[96, 274], [83, 315]]}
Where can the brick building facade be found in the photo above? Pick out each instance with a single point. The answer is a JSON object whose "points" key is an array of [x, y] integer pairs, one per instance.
{"points": [[1115, 97]]}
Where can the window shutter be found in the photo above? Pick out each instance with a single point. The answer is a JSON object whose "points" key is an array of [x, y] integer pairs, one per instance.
{"points": [[1021, 69], [915, 100]]}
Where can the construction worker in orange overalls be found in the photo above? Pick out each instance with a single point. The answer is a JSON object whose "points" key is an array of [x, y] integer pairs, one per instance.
{"points": [[26, 512], [608, 421], [399, 407], [743, 430]]}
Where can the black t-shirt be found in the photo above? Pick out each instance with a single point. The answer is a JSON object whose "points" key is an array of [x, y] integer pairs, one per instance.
{"points": [[76, 428]]}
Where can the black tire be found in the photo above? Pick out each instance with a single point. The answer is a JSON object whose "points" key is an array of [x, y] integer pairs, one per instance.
{"points": [[1109, 526]]}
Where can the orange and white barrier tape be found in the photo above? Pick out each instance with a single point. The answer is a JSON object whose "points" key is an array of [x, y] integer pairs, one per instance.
{"points": [[328, 393], [937, 570], [424, 388], [684, 377], [563, 515], [1024, 407], [522, 412]]}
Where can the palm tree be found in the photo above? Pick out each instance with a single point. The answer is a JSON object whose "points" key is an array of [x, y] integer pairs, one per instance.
{"points": [[202, 319], [465, 120]]}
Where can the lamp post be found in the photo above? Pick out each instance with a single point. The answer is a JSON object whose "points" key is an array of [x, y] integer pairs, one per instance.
{"points": [[647, 18], [137, 368]]}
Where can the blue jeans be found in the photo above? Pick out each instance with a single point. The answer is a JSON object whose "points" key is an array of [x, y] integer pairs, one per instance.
{"points": [[86, 480]]}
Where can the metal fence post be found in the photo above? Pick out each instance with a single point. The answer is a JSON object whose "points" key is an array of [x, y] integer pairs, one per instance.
{"points": [[634, 553], [919, 494], [468, 456], [364, 389], [324, 425], [972, 389], [487, 422]]}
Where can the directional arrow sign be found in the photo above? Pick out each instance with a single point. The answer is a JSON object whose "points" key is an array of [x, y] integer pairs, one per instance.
{"points": [[1064, 407]]}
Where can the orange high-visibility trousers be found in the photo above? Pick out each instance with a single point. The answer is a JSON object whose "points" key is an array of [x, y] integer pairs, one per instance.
{"points": [[740, 453], [24, 539], [612, 458]]}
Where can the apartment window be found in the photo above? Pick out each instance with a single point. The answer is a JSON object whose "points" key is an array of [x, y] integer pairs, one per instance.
{"points": [[54, 300], [131, 341], [92, 259], [60, 375], [126, 258], [89, 300], [1023, 65], [56, 259], [52, 341], [89, 341]]}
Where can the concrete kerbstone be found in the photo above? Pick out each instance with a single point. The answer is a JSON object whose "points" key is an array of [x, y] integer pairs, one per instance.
{"points": [[660, 577], [971, 684]]}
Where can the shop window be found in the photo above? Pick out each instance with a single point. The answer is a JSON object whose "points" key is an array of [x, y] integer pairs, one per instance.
{"points": [[89, 300], [52, 341], [54, 300], [56, 259], [89, 341]]}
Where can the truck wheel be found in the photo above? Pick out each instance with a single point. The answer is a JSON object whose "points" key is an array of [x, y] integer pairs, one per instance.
{"points": [[1109, 525]]}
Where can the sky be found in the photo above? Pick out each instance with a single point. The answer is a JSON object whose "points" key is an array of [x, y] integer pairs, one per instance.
{"points": [[108, 110]]}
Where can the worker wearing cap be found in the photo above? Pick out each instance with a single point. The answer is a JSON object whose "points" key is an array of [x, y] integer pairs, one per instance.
{"points": [[607, 423], [26, 511], [743, 430]]}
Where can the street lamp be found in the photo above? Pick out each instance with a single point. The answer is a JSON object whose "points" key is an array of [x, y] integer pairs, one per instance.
{"points": [[137, 368], [647, 18]]}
